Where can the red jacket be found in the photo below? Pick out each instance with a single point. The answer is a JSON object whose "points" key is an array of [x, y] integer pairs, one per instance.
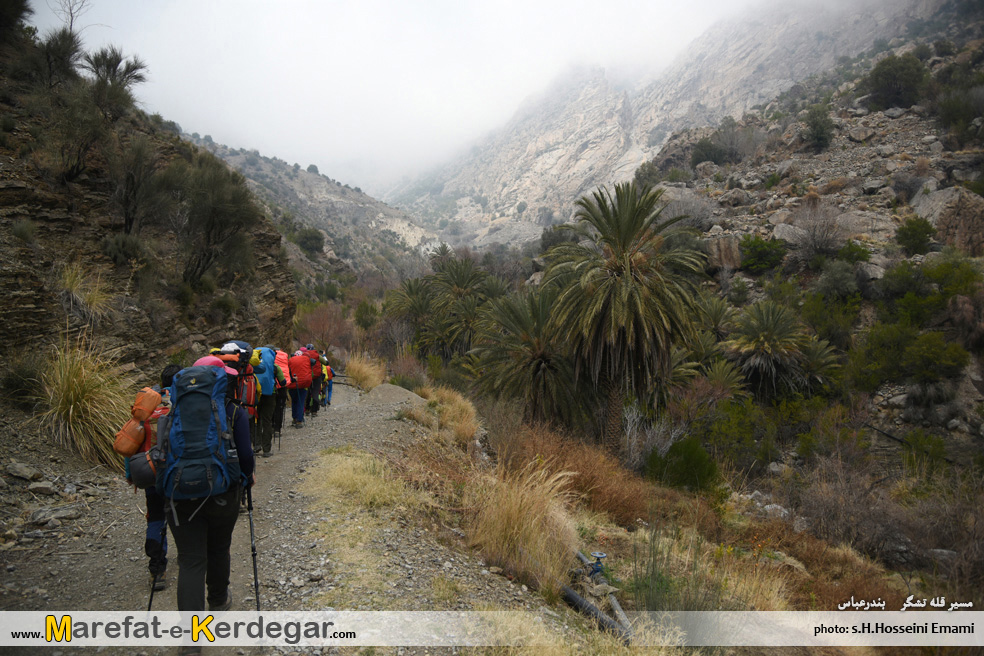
{"points": [[300, 372], [281, 361]]}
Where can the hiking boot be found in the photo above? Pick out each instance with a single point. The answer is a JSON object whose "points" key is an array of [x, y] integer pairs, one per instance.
{"points": [[226, 605], [267, 454], [160, 583]]}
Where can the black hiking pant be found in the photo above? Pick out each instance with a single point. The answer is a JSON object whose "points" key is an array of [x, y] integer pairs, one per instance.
{"points": [[265, 410], [314, 395], [203, 547]]}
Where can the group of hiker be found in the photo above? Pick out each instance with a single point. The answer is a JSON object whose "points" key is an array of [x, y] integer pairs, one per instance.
{"points": [[212, 418]]}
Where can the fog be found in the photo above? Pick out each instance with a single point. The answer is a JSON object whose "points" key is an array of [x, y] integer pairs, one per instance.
{"points": [[374, 90]]}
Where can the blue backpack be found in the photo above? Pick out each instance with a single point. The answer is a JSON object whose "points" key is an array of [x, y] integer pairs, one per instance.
{"points": [[199, 456]]}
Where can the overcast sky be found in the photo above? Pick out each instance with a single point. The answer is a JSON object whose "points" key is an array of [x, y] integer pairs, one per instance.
{"points": [[369, 90]]}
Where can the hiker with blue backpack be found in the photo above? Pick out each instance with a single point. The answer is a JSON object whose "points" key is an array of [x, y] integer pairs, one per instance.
{"points": [[270, 378], [207, 459]]}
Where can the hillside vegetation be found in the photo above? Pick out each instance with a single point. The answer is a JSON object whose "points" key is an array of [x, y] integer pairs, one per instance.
{"points": [[123, 247]]}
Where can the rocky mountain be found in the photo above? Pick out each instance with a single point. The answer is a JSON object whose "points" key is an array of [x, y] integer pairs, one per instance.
{"points": [[361, 233], [585, 131]]}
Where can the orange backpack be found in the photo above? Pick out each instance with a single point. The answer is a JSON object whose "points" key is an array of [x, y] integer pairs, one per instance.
{"points": [[137, 432]]}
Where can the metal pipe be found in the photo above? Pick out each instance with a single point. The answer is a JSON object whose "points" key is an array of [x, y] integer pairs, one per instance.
{"points": [[616, 607]]}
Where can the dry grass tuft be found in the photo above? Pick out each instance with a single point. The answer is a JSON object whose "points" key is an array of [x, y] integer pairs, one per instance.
{"points": [[83, 295], [519, 521], [365, 371], [602, 482], [84, 401], [359, 475], [454, 413]]}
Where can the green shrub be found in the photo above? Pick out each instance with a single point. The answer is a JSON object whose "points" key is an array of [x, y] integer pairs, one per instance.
{"points": [[123, 248], [929, 359], [731, 431], [922, 52], [758, 255], [914, 235], [679, 175], [837, 280], [897, 81], [877, 359], [853, 253], [366, 315], [706, 150], [772, 180], [226, 304], [738, 292], [833, 319], [7, 123], [686, 464], [923, 449], [944, 48], [311, 241], [819, 127], [25, 230]]}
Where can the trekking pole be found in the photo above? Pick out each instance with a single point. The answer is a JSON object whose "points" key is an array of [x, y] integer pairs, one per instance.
{"points": [[252, 544]]}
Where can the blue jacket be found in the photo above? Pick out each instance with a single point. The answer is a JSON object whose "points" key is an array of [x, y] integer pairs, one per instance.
{"points": [[266, 373]]}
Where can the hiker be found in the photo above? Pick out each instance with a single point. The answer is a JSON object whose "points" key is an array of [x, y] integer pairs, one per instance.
{"points": [[202, 524], [269, 378], [300, 374], [317, 379], [155, 540], [329, 378]]}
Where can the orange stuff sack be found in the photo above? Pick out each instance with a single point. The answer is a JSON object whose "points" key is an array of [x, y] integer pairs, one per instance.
{"points": [[129, 439], [144, 405]]}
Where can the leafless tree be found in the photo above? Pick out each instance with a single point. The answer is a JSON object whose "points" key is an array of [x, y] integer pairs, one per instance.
{"points": [[69, 11]]}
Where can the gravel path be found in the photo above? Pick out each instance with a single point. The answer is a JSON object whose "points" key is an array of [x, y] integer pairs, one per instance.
{"points": [[310, 556]]}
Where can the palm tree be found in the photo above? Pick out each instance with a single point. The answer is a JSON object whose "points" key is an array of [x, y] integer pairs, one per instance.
{"points": [[768, 343], [412, 301], [113, 76], [518, 356], [625, 297], [715, 314]]}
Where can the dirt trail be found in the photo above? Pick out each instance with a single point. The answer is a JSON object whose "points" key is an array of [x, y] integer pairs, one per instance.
{"points": [[336, 555]]}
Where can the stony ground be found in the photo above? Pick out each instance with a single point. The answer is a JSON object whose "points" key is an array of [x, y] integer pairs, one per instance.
{"points": [[76, 540]]}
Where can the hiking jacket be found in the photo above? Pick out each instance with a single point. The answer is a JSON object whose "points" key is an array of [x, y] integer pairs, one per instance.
{"points": [[316, 369], [266, 371], [300, 372]]}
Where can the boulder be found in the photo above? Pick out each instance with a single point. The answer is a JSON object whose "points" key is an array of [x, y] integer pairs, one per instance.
{"points": [[871, 271], [42, 487], [735, 197], [789, 233], [722, 253], [707, 169], [860, 134], [787, 168], [958, 216], [22, 471], [785, 216], [895, 112], [873, 186]]}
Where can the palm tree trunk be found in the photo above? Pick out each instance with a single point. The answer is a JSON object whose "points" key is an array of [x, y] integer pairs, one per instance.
{"points": [[612, 436]]}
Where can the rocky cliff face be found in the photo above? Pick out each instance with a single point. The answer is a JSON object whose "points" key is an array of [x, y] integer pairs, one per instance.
{"points": [[47, 227], [584, 132]]}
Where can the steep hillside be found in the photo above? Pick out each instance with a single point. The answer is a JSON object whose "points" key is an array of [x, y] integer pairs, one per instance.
{"points": [[362, 234], [69, 265], [585, 132]]}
